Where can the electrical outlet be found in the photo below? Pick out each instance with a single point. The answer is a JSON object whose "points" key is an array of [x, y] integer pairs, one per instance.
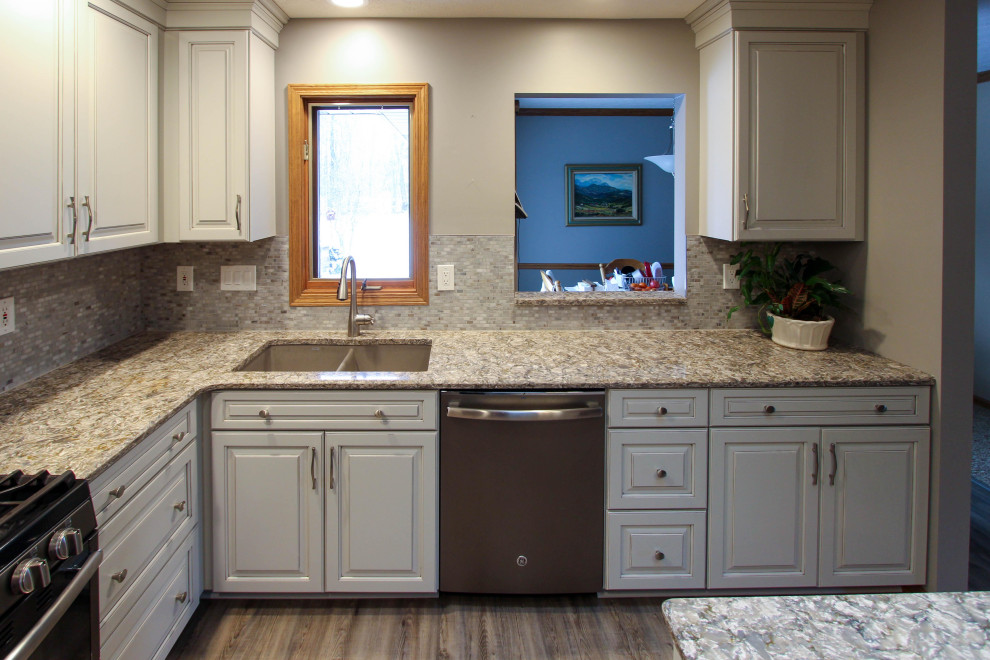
{"points": [[238, 278], [729, 279], [184, 278], [6, 315], [445, 278]]}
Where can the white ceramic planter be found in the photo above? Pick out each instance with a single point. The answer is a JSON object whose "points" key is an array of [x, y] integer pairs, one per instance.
{"points": [[802, 335]]}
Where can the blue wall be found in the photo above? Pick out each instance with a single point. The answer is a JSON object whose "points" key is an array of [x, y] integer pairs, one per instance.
{"points": [[544, 145], [981, 306]]}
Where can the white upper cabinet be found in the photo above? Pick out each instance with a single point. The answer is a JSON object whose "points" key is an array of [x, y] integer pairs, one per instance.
{"points": [[221, 126], [80, 145], [783, 120], [117, 160]]}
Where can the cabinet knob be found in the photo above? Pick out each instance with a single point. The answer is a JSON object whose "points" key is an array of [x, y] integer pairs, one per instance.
{"points": [[769, 409], [880, 408], [661, 410], [264, 414], [179, 506], [379, 413], [661, 473], [179, 437], [119, 576], [181, 596], [118, 491], [658, 555]]}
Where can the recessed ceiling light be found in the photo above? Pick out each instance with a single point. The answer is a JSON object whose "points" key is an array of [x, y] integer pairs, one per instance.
{"points": [[349, 3]]}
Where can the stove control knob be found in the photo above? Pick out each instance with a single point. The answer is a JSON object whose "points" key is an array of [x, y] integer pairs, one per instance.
{"points": [[30, 575], [66, 543]]}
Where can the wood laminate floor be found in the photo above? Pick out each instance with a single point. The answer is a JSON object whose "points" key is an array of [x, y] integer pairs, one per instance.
{"points": [[446, 627]]}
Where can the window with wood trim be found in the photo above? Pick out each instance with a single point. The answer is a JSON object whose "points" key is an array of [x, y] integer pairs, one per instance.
{"points": [[359, 186]]}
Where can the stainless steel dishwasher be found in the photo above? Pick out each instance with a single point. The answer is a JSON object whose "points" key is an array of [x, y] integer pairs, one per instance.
{"points": [[522, 490]]}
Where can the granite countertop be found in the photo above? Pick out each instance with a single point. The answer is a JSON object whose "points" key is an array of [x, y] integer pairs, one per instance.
{"points": [[85, 415], [882, 626]]}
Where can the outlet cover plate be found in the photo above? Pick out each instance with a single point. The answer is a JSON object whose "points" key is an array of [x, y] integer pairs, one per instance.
{"points": [[183, 278], [445, 278], [238, 278], [729, 279], [6, 315]]}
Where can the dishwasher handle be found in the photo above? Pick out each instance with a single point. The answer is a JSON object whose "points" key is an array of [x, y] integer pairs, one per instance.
{"points": [[554, 415]]}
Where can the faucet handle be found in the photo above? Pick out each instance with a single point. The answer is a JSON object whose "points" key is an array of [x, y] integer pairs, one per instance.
{"points": [[364, 319], [366, 287]]}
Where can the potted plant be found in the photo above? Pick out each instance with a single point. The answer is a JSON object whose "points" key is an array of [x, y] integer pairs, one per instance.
{"points": [[792, 294]]}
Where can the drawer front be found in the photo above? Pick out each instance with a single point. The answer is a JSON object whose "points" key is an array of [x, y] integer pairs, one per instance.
{"points": [[655, 550], [166, 508], [396, 410], [657, 469], [112, 491], [150, 625], [820, 406], [657, 408]]}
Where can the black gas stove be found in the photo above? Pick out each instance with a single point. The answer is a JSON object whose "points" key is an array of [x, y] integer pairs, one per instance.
{"points": [[49, 561]]}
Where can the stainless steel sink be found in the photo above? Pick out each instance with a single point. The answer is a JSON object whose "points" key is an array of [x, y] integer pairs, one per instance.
{"points": [[340, 357]]}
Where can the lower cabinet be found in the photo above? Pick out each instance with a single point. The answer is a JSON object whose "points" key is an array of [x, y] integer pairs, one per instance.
{"points": [[810, 506], [315, 511]]}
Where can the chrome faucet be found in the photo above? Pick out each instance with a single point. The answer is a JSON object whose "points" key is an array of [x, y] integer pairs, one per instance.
{"points": [[354, 320]]}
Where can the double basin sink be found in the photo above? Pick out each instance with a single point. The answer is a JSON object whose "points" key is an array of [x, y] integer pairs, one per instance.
{"points": [[404, 356]]}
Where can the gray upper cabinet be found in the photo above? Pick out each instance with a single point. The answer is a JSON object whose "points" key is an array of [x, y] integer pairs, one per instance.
{"points": [[782, 136]]}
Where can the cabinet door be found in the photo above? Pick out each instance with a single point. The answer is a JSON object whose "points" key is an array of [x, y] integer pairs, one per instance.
{"points": [[763, 509], [213, 135], [874, 506], [267, 511], [800, 122], [381, 512], [117, 161], [36, 43]]}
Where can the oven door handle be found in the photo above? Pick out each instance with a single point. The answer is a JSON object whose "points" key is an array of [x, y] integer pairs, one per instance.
{"points": [[54, 613], [553, 415]]}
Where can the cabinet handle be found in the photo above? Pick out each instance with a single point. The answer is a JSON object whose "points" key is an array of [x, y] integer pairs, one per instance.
{"points": [[237, 213], [661, 410], [661, 473], [178, 437], [746, 208], [181, 596], [332, 482], [658, 555], [835, 465], [119, 576], [92, 217], [179, 506], [75, 221], [880, 408], [814, 464], [118, 491], [769, 409], [312, 465]]}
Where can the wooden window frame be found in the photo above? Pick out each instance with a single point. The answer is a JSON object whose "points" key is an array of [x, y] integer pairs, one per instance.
{"points": [[305, 289]]}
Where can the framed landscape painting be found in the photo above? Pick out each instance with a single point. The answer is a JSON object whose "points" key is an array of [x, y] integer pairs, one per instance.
{"points": [[603, 195]]}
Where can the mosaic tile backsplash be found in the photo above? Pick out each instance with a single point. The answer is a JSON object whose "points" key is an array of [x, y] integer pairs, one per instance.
{"points": [[484, 298], [68, 309]]}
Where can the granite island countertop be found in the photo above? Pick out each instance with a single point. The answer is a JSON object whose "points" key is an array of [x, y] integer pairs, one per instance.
{"points": [[85, 415], [901, 626]]}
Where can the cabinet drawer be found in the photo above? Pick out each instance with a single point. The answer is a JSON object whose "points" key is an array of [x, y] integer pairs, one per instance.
{"points": [[395, 410], [655, 550], [657, 408], [657, 469], [822, 406], [166, 508], [149, 625], [116, 488]]}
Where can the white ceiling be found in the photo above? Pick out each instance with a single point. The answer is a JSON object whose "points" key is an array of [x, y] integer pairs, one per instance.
{"points": [[493, 9]]}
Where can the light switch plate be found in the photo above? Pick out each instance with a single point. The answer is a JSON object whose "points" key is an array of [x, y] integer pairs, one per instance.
{"points": [[6, 315], [184, 278], [445, 278], [729, 279], [238, 278]]}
